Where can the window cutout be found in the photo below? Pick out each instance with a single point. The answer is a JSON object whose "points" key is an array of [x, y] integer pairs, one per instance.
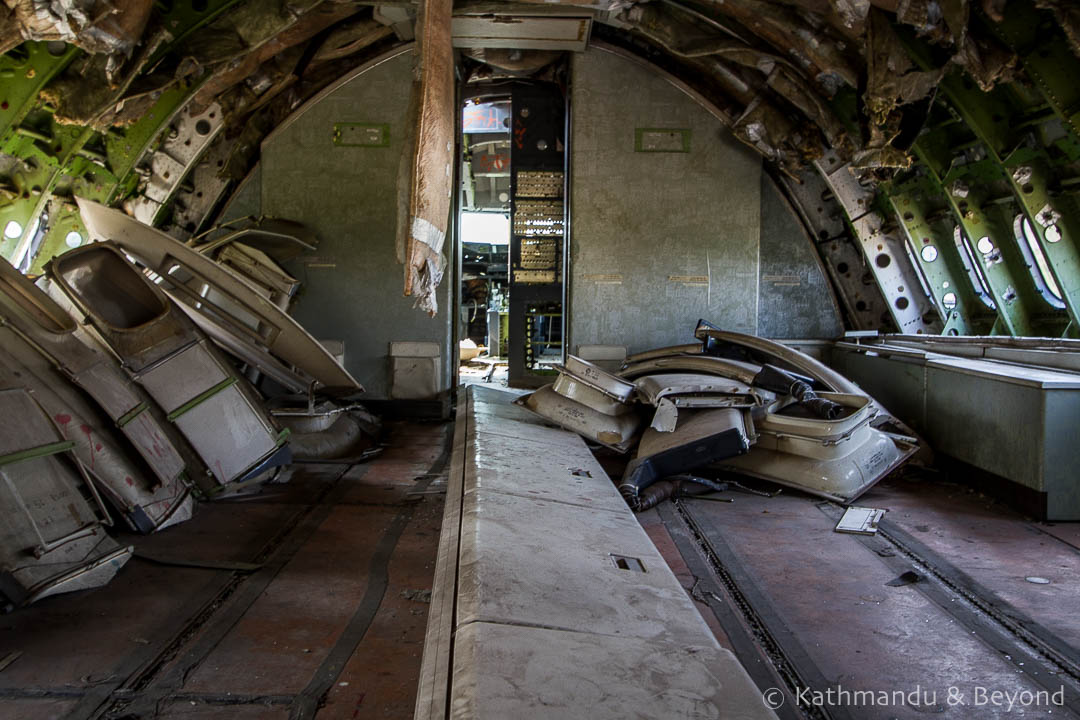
{"points": [[73, 239], [929, 253], [985, 245], [949, 300], [972, 268], [1036, 261], [578, 472], [1052, 234], [909, 249], [12, 230], [625, 562]]}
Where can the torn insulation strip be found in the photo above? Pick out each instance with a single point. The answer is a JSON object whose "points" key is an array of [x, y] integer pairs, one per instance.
{"points": [[431, 176]]}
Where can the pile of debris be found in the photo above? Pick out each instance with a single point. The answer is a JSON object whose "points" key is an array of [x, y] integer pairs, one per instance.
{"points": [[117, 399], [730, 403]]}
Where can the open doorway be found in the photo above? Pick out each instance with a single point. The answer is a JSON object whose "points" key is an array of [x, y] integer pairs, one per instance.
{"points": [[512, 227], [484, 231]]}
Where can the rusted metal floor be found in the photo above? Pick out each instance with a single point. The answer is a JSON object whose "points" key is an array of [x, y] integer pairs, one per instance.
{"points": [[805, 607], [308, 598]]}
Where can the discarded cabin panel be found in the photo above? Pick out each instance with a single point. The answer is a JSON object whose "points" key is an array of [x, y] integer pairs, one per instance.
{"points": [[256, 328], [678, 361], [278, 238], [606, 357], [732, 413], [596, 377], [670, 393], [728, 407], [699, 438], [699, 390], [47, 327], [614, 431], [217, 410], [836, 459], [750, 348], [260, 270], [146, 502], [51, 539], [589, 401], [763, 351], [212, 406], [255, 251]]}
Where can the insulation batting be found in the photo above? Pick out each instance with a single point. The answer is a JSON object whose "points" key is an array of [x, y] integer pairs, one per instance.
{"points": [[431, 176]]}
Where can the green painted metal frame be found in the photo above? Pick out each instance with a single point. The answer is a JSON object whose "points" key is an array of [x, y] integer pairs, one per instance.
{"points": [[1013, 293], [921, 218], [60, 161], [1029, 171], [131, 414], [1045, 55], [201, 398], [54, 448], [23, 74], [54, 162], [1001, 121]]}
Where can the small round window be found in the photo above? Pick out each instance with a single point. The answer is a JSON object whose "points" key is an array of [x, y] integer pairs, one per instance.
{"points": [[985, 245], [949, 300], [929, 253], [1052, 234], [73, 239], [13, 229]]}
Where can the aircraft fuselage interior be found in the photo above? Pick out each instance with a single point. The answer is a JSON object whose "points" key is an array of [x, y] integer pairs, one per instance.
{"points": [[539, 359]]}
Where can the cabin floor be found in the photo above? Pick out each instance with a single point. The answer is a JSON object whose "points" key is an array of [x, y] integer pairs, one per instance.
{"points": [[310, 599], [793, 598], [307, 597]]}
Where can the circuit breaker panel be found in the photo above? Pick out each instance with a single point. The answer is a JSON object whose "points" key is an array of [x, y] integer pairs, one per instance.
{"points": [[538, 232]]}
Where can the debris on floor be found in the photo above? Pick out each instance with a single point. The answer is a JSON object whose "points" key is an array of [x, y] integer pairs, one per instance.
{"points": [[140, 374], [9, 658], [423, 596], [54, 537], [906, 578], [731, 403], [860, 521], [469, 350]]}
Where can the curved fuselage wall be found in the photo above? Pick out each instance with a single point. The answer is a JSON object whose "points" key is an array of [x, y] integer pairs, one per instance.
{"points": [[658, 238], [347, 194], [666, 229], [795, 299]]}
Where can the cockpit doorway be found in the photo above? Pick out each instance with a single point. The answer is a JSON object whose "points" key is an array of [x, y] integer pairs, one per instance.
{"points": [[512, 229]]}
